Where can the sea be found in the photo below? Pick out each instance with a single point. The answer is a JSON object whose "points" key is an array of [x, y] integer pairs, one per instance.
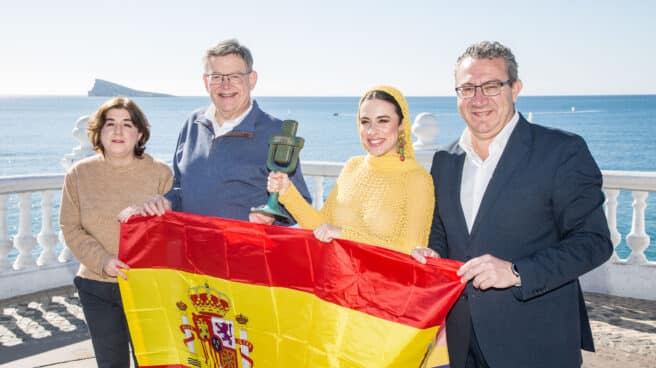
{"points": [[619, 130]]}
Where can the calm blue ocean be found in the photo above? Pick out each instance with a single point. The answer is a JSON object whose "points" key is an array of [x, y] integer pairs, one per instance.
{"points": [[620, 131]]}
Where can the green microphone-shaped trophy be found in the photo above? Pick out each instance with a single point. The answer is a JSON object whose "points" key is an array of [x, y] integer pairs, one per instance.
{"points": [[283, 156]]}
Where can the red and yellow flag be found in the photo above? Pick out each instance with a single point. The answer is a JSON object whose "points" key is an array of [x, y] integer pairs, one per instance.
{"points": [[211, 292]]}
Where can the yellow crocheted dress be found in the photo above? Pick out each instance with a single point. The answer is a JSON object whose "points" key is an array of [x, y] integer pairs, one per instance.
{"points": [[381, 201], [376, 200]]}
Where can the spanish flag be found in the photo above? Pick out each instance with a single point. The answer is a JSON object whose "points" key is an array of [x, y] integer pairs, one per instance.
{"points": [[212, 292]]}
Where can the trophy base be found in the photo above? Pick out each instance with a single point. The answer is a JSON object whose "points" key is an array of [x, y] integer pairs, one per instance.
{"points": [[271, 211]]}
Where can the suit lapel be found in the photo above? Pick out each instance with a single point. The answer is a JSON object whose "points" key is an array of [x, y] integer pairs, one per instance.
{"points": [[516, 151], [453, 192], [462, 223]]}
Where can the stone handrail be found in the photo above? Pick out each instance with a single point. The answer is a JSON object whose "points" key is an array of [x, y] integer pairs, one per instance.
{"points": [[630, 180], [30, 183]]}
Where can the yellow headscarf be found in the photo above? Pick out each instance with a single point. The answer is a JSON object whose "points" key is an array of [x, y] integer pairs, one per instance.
{"points": [[407, 128]]}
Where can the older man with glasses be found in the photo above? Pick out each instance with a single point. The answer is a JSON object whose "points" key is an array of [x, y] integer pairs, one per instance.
{"points": [[521, 206], [220, 159]]}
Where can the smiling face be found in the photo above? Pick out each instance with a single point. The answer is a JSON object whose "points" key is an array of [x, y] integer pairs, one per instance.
{"points": [[230, 97], [379, 127], [118, 136], [486, 116]]}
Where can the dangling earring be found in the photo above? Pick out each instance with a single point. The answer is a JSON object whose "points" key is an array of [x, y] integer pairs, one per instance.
{"points": [[402, 145]]}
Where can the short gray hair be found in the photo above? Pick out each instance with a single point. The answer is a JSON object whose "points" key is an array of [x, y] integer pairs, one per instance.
{"points": [[492, 50], [229, 47]]}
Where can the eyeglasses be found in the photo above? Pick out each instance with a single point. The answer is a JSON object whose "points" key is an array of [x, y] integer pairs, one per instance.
{"points": [[218, 78], [489, 89]]}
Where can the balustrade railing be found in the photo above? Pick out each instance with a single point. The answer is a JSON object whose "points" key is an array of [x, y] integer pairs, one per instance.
{"points": [[639, 184], [618, 277], [23, 273], [633, 276]]}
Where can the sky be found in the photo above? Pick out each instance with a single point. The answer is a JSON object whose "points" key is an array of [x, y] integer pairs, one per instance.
{"points": [[325, 48]]}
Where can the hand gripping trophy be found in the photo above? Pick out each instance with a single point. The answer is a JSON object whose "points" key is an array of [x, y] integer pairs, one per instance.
{"points": [[283, 156]]}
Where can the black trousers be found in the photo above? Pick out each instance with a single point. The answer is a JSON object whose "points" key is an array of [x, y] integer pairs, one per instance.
{"points": [[475, 358], [464, 350], [103, 311]]}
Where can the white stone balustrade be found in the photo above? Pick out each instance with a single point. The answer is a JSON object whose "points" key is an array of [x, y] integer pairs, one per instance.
{"points": [[317, 192], [84, 149], [65, 255], [24, 241], [47, 237], [611, 217], [640, 184], [5, 243], [633, 277], [425, 129], [637, 239], [27, 275]]}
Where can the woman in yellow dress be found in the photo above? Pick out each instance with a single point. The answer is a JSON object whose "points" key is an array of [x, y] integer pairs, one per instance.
{"points": [[384, 198]]}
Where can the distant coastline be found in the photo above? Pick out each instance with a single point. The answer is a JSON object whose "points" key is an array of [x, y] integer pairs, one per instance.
{"points": [[103, 88]]}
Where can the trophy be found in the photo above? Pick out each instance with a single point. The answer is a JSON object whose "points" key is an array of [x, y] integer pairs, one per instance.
{"points": [[283, 156]]}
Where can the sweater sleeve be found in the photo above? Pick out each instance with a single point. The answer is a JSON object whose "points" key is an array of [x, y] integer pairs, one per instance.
{"points": [[85, 247], [165, 180], [309, 218], [174, 194], [306, 215], [420, 205]]}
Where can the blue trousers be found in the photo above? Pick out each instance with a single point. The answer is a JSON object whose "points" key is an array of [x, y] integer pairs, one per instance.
{"points": [[103, 311]]}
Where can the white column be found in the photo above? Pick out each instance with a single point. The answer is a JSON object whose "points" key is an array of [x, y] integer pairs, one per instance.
{"points": [[611, 217], [24, 241], [5, 243], [638, 240], [65, 255], [47, 237], [317, 188], [84, 149], [425, 128]]}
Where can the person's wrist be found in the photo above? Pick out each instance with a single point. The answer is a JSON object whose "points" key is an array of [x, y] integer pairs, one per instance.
{"points": [[515, 272]]}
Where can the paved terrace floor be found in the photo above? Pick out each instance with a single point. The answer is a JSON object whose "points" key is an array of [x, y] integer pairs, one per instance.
{"points": [[48, 330]]}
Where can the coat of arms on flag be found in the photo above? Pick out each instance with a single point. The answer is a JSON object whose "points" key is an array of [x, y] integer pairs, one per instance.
{"points": [[211, 292], [215, 328]]}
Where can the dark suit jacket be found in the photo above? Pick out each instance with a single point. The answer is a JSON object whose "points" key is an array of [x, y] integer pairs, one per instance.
{"points": [[542, 210]]}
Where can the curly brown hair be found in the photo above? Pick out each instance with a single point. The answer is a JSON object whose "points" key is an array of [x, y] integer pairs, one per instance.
{"points": [[97, 122]]}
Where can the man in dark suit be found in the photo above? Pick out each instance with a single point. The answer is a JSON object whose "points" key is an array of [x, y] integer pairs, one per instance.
{"points": [[521, 205]]}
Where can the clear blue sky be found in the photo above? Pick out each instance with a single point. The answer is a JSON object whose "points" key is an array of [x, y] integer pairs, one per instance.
{"points": [[328, 48]]}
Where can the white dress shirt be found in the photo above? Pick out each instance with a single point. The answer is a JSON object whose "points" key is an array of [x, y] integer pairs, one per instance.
{"points": [[476, 172], [228, 125]]}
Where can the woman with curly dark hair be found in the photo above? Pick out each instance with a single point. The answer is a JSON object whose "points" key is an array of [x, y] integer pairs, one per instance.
{"points": [[95, 190]]}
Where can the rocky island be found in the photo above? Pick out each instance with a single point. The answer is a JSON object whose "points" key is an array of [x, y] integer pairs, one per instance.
{"points": [[105, 88]]}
